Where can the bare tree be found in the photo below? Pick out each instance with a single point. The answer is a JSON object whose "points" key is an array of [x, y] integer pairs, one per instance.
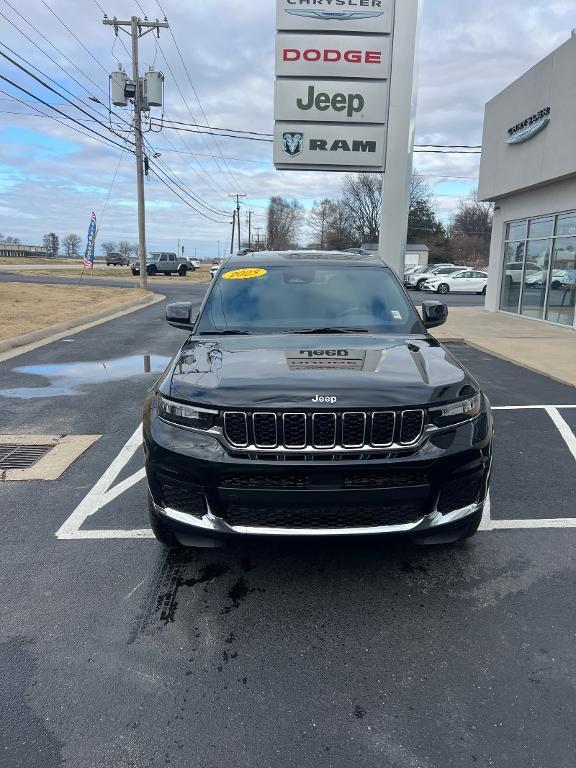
{"points": [[10, 240], [51, 244], [126, 248], [71, 245], [331, 225], [285, 219], [363, 197], [109, 248], [319, 220], [473, 217]]}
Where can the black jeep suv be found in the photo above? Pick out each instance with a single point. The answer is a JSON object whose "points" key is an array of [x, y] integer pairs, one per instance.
{"points": [[310, 400]]}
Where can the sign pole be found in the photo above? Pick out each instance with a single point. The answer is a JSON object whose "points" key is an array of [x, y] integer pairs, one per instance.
{"points": [[399, 147]]}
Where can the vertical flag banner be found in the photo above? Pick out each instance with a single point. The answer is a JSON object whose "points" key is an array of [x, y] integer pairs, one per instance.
{"points": [[89, 254]]}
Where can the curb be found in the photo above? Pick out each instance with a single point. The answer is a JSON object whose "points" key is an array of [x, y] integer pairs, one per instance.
{"points": [[18, 345]]}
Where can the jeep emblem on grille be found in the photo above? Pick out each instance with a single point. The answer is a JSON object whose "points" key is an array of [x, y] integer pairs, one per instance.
{"points": [[325, 399]]}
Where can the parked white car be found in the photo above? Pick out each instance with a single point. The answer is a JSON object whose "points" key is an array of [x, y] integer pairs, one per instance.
{"points": [[417, 278], [467, 281], [538, 279]]}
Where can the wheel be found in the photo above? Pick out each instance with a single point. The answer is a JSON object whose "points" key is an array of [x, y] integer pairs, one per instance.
{"points": [[135, 273], [160, 529], [483, 291], [419, 284], [182, 271], [556, 285], [152, 270], [443, 288]]}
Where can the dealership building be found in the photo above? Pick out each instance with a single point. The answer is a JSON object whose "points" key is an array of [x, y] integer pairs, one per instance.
{"points": [[528, 170]]}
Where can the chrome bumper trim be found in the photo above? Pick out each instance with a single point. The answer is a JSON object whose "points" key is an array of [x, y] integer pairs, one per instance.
{"points": [[217, 525]]}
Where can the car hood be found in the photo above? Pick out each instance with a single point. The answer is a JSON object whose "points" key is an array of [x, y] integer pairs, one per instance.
{"points": [[292, 371]]}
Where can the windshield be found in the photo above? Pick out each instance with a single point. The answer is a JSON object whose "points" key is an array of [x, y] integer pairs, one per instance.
{"points": [[277, 299]]}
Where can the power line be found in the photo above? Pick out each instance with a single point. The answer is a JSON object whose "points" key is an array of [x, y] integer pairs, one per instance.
{"points": [[166, 184], [212, 180], [231, 175], [53, 46], [195, 197], [49, 87], [106, 140], [67, 117], [88, 51]]}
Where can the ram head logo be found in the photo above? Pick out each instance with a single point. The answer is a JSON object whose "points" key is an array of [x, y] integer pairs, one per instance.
{"points": [[293, 143]]}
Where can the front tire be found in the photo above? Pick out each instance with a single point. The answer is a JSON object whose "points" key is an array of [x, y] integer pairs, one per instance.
{"points": [[443, 288], [160, 529], [151, 271], [420, 284], [182, 271]]}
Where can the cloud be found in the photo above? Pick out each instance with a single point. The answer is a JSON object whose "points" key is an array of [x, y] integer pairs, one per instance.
{"points": [[52, 177]]}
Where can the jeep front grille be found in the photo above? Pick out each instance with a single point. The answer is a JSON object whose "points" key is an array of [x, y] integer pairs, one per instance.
{"points": [[324, 430]]}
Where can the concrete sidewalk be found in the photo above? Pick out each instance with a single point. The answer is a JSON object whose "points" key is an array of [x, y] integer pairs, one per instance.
{"points": [[542, 347]]}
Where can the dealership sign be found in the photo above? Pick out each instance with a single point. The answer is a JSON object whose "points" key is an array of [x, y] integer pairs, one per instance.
{"points": [[529, 127], [328, 147], [369, 16], [332, 101], [333, 87], [346, 56]]}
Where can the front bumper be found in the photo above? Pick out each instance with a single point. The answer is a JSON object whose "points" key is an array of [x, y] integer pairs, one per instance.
{"points": [[439, 483]]}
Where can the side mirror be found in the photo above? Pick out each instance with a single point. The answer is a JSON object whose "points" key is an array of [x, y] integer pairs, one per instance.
{"points": [[180, 315], [434, 313]]}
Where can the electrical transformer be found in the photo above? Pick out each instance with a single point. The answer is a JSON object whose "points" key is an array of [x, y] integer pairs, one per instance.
{"points": [[153, 88], [118, 82]]}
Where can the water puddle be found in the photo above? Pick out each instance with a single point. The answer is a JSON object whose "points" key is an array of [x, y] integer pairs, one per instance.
{"points": [[74, 378]]}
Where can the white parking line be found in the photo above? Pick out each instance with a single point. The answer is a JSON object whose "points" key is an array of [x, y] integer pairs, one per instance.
{"points": [[102, 493]]}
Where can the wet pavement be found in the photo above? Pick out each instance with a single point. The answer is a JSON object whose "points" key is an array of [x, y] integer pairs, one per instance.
{"points": [[115, 653]]}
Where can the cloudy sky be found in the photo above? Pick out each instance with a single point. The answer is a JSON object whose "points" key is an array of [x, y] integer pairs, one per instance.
{"points": [[52, 177]]}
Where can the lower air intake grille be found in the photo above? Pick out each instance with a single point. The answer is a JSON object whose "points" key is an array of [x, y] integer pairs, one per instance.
{"points": [[381, 480], [264, 481], [459, 494], [183, 499], [323, 517]]}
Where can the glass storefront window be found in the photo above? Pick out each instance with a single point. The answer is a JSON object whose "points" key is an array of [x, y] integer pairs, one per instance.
{"points": [[535, 278], [517, 230], [566, 225], [562, 296], [539, 275], [512, 276], [543, 227]]}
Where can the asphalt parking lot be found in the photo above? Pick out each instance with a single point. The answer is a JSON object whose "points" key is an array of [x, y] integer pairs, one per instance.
{"points": [[115, 653]]}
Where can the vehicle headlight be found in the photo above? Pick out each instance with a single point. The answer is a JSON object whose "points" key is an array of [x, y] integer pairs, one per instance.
{"points": [[455, 413], [186, 415]]}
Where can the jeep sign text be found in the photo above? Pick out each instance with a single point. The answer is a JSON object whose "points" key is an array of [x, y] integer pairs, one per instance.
{"points": [[346, 56], [327, 101]]}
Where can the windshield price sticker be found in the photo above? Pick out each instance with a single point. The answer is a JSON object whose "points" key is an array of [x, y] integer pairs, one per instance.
{"points": [[244, 274]]}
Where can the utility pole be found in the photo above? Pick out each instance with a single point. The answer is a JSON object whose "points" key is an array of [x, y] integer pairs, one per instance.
{"points": [[237, 218], [136, 26], [249, 230], [233, 232]]}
